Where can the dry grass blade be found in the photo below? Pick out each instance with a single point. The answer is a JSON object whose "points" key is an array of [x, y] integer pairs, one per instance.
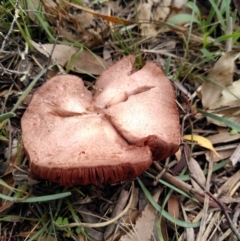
{"points": [[206, 203]]}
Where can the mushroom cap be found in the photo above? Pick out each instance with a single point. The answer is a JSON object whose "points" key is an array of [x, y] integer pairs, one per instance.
{"points": [[144, 108], [72, 136]]}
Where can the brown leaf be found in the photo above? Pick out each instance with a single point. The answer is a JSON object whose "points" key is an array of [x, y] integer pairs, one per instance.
{"points": [[144, 225], [173, 206], [220, 76], [5, 207], [228, 188], [227, 106], [198, 173], [229, 96], [224, 154], [223, 137], [151, 12], [81, 61], [235, 157]]}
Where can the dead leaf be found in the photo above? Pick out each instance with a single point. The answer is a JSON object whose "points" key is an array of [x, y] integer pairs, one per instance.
{"points": [[228, 188], [228, 105], [144, 15], [198, 173], [220, 76], [6, 207], [229, 96], [144, 225], [151, 13], [201, 141], [235, 157], [223, 137], [178, 3], [173, 206], [224, 154], [80, 61]]}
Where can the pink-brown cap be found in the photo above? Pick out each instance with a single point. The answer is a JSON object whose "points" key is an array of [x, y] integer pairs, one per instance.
{"points": [[72, 136]]}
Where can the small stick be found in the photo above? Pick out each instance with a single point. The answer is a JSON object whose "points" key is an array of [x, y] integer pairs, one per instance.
{"points": [[162, 171], [16, 16], [228, 46]]}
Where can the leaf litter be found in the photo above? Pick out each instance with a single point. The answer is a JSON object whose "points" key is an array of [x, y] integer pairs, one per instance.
{"points": [[78, 60], [219, 95]]}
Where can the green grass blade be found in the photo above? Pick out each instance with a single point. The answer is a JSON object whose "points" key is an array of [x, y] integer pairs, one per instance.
{"points": [[167, 66], [182, 18], [6, 116], [218, 13], [164, 213], [47, 198], [36, 199], [43, 24], [193, 6], [220, 119], [169, 185]]}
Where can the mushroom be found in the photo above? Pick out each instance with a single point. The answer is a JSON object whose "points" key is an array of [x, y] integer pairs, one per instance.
{"points": [[74, 136]]}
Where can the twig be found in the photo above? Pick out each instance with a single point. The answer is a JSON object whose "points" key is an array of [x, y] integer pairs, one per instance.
{"points": [[185, 187], [228, 46], [162, 171], [11, 26]]}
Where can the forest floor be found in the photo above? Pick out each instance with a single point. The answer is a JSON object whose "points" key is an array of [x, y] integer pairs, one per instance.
{"points": [[192, 195]]}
